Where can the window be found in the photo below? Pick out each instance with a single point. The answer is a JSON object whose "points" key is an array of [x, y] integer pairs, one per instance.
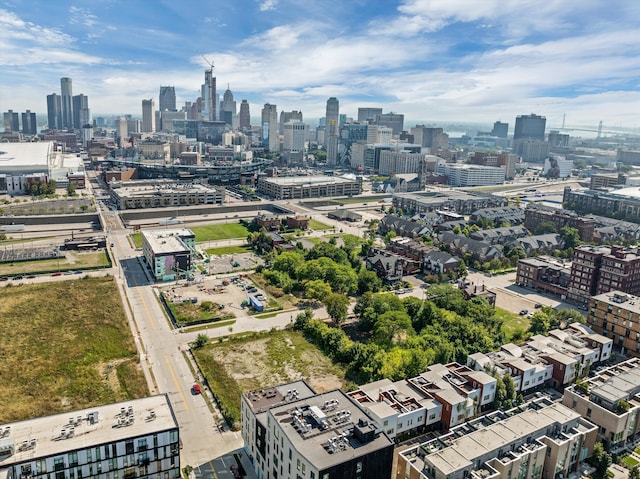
{"points": [[73, 459], [128, 446], [58, 464], [142, 444]]}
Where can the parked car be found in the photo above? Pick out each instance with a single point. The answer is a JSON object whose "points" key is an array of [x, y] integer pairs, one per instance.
{"points": [[18, 277], [57, 274], [4, 278], [537, 306], [196, 389], [523, 312]]}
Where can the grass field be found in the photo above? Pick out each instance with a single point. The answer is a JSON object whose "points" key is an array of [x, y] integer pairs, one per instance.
{"points": [[229, 250], [629, 462], [513, 323], [263, 359], [318, 225], [362, 199], [219, 232], [186, 313], [137, 239], [65, 346], [72, 261]]}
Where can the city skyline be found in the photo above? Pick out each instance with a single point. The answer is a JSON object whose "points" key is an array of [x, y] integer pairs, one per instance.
{"points": [[432, 61]]}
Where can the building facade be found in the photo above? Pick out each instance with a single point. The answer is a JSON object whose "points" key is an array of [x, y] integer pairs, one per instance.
{"points": [[167, 98], [168, 253], [290, 432], [137, 438], [66, 87], [529, 127], [616, 315], [299, 187], [148, 116], [54, 112], [270, 138]]}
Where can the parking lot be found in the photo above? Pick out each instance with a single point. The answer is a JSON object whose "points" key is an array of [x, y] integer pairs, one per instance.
{"points": [[228, 263]]}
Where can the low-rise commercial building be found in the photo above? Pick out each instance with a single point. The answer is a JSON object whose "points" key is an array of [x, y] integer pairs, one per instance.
{"points": [[168, 253], [300, 187], [539, 439], [137, 438], [610, 401], [162, 194], [291, 432]]}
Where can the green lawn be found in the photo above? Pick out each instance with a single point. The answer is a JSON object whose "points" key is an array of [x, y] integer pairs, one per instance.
{"points": [[65, 345], [219, 232], [137, 240], [629, 462], [318, 225], [513, 323], [186, 313], [228, 250]]}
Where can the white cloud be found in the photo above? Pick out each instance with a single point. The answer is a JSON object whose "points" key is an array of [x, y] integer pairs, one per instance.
{"points": [[82, 16], [268, 5]]}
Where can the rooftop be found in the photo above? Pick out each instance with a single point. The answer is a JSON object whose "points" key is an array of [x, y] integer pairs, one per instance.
{"points": [[51, 435], [16, 155], [167, 241], [308, 180], [330, 428]]}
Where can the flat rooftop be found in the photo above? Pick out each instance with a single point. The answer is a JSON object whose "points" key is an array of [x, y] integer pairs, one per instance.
{"points": [[329, 429], [159, 189], [619, 299], [463, 451], [58, 434], [28, 154], [167, 241], [617, 383], [262, 399], [308, 180]]}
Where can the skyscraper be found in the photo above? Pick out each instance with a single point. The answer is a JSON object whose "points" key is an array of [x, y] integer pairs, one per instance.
{"points": [[369, 115], [209, 95], [245, 116], [167, 98], [54, 111], [148, 116], [270, 137], [395, 121], [286, 116], [332, 117], [80, 111], [66, 89], [29, 125], [227, 107], [500, 129], [11, 121], [529, 127]]}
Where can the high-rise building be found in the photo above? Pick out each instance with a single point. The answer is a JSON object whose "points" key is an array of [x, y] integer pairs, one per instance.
{"points": [[227, 107], [66, 88], [54, 111], [29, 125], [294, 140], [395, 121], [81, 114], [270, 137], [148, 116], [529, 127], [369, 115], [500, 129], [209, 95], [11, 121], [122, 130], [245, 116], [429, 137], [167, 98], [332, 119], [287, 116]]}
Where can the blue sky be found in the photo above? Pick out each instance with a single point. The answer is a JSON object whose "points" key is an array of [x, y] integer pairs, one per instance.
{"points": [[471, 61]]}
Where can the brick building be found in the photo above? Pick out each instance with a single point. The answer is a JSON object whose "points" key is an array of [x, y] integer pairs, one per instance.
{"points": [[616, 315], [536, 214]]}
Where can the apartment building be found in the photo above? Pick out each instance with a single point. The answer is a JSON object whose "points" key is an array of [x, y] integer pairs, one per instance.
{"points": [[442, 397], [459, 201], [161, 194], [600, 269], [290, 432], [539, 439], [535, 214], [610, 401], [544, 274], [616, 315], [137, 438], [556, 360]]}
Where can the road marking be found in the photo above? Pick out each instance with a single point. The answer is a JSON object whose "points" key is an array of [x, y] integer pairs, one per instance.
{"points": [[175, 379], [213, 469]]}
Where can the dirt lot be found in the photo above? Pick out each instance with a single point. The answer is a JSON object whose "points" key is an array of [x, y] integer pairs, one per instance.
{"points": [[209, 289], [224, 263]]}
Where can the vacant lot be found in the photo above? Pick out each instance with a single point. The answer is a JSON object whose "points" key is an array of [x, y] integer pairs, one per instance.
{"points": [[219, 232], [242, 364], [64, 346]]}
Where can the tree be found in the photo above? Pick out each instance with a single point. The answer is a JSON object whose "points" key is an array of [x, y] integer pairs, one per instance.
{"points": [[71, 189], [303, 319], [634, 473], [201, 341], [570, 236], [600, 459], [337, 307], [540, 323], [317, 289], [368, 280], [545, 227]]}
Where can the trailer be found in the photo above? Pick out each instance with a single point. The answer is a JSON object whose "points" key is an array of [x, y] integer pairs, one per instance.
{"points": [[256, 304]]}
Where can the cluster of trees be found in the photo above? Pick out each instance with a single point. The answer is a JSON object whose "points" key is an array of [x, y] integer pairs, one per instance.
{"points": [[40, 188], [325, 273], [547, 318], [403, 336]]}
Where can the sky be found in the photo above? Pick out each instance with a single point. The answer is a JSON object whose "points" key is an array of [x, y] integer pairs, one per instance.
{"points": [[435, 61]]}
